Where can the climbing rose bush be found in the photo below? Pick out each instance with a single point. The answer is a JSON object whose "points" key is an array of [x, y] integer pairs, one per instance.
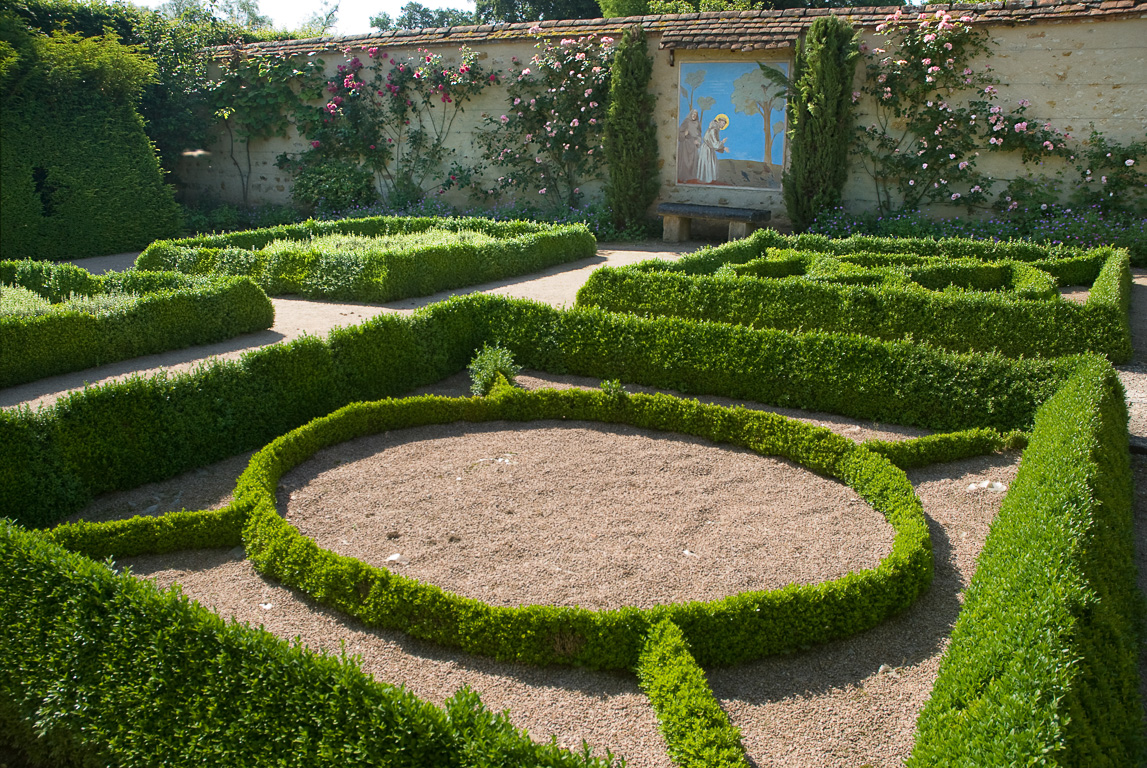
{"points": [[547, 144], [392, 116], [936, 110]]}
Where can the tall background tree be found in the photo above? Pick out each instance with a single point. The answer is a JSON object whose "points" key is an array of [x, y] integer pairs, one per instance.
{"points": [[418, 16], [630, 135], [619, 8], [821, 117]]}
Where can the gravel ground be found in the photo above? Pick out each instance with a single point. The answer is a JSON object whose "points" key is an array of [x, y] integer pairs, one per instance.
{"points": [[848, 703], [844, 704]]}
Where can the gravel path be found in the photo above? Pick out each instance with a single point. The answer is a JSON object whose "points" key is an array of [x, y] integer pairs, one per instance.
{"points": [[848, 703], [295, 317]]}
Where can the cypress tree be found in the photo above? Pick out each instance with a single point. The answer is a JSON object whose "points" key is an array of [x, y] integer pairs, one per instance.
{"points": [[821, 116], [630, 135]]}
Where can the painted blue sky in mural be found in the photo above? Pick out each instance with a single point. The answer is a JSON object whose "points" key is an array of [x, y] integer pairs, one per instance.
{"points": [[736, 90]]}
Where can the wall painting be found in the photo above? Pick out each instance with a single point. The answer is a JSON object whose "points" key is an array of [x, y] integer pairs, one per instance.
{"points": [[731, 125]]}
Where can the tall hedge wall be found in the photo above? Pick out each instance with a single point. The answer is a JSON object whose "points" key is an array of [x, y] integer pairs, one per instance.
{"points": [[80, 176]]}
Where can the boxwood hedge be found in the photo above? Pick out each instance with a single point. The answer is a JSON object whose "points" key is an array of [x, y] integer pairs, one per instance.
{"points": [[1041, 667], [996, 298], [696, 729], [165, 310], [377, 275], [98, 668], [121, 434], [728, 631]]}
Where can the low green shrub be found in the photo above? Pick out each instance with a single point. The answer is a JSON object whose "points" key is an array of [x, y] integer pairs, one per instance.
{"points": [[490, 364], [1042, 665], [96, 320], [97, 668], [950, 446], [695, 727], [729, 631], [820, 284], [375, 259], [122, 434], [152, 535]]}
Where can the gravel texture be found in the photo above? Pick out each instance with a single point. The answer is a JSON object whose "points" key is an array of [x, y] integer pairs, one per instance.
{"points": [[579, 513], [526, 534], [849, 703]]}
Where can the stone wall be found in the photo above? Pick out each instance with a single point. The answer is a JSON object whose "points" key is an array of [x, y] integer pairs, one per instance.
{"points": [[1079, 71]]}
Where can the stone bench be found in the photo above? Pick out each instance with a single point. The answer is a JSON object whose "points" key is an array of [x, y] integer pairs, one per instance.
{"points": [[677, 218]]}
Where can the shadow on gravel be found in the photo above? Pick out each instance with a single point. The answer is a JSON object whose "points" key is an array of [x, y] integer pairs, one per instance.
{"points": [[33, 390], [903, 641]]}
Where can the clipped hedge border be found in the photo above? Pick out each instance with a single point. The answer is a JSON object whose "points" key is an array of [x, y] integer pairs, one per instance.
{"points": [[123, 434], [962, 321], [279, 386], [103, 669], [1042, 665], [523, 247], [173, 311], [696, 729], [728, 631]]}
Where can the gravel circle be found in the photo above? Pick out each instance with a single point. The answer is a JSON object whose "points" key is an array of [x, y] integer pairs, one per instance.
{"points": [[580, 513], [847, 703]]}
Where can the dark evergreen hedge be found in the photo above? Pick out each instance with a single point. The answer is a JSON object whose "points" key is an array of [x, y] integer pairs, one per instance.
{"points": [[388, 274], [80, 176]]}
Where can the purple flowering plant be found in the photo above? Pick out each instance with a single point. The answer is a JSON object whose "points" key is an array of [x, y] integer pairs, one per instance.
{"points": [[548, 143]]}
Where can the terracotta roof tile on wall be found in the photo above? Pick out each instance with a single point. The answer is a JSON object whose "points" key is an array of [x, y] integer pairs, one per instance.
{"points": [[726, 30]]}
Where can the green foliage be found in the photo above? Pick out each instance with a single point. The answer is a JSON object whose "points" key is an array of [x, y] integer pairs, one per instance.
{"points": [[695, 727], [80, 177], [1042, 660], [333, 185], [123, 434], [147, 534], [174, 106], [388, 258], [513, 11], [418, 16], [951, 446], [821, 115], [86, 320], [850, 286], [258, 97], [548, 142], [390, 119], [490, 364], [728, 631], [630, 137], [101, 668]]}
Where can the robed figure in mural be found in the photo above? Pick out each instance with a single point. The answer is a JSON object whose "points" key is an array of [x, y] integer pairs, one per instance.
{"points": [[711, 145], [688, 146]]}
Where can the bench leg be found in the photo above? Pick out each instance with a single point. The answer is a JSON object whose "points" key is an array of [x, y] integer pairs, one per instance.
{"points": [[675, 229], [738, 230]]}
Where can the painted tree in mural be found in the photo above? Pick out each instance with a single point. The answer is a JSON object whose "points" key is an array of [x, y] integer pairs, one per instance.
{"points": [[755, 94], [693, 80]]}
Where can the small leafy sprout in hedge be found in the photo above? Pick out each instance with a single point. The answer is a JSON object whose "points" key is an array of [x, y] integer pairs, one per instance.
{"points": [[726, 272], [613, 391], [487, 365]]}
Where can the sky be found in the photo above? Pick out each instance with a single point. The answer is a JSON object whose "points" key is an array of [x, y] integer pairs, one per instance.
{"points": [[353, 17]]}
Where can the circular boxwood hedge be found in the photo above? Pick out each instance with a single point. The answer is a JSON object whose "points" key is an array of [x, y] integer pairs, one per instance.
{"points": [[721, 632]]}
